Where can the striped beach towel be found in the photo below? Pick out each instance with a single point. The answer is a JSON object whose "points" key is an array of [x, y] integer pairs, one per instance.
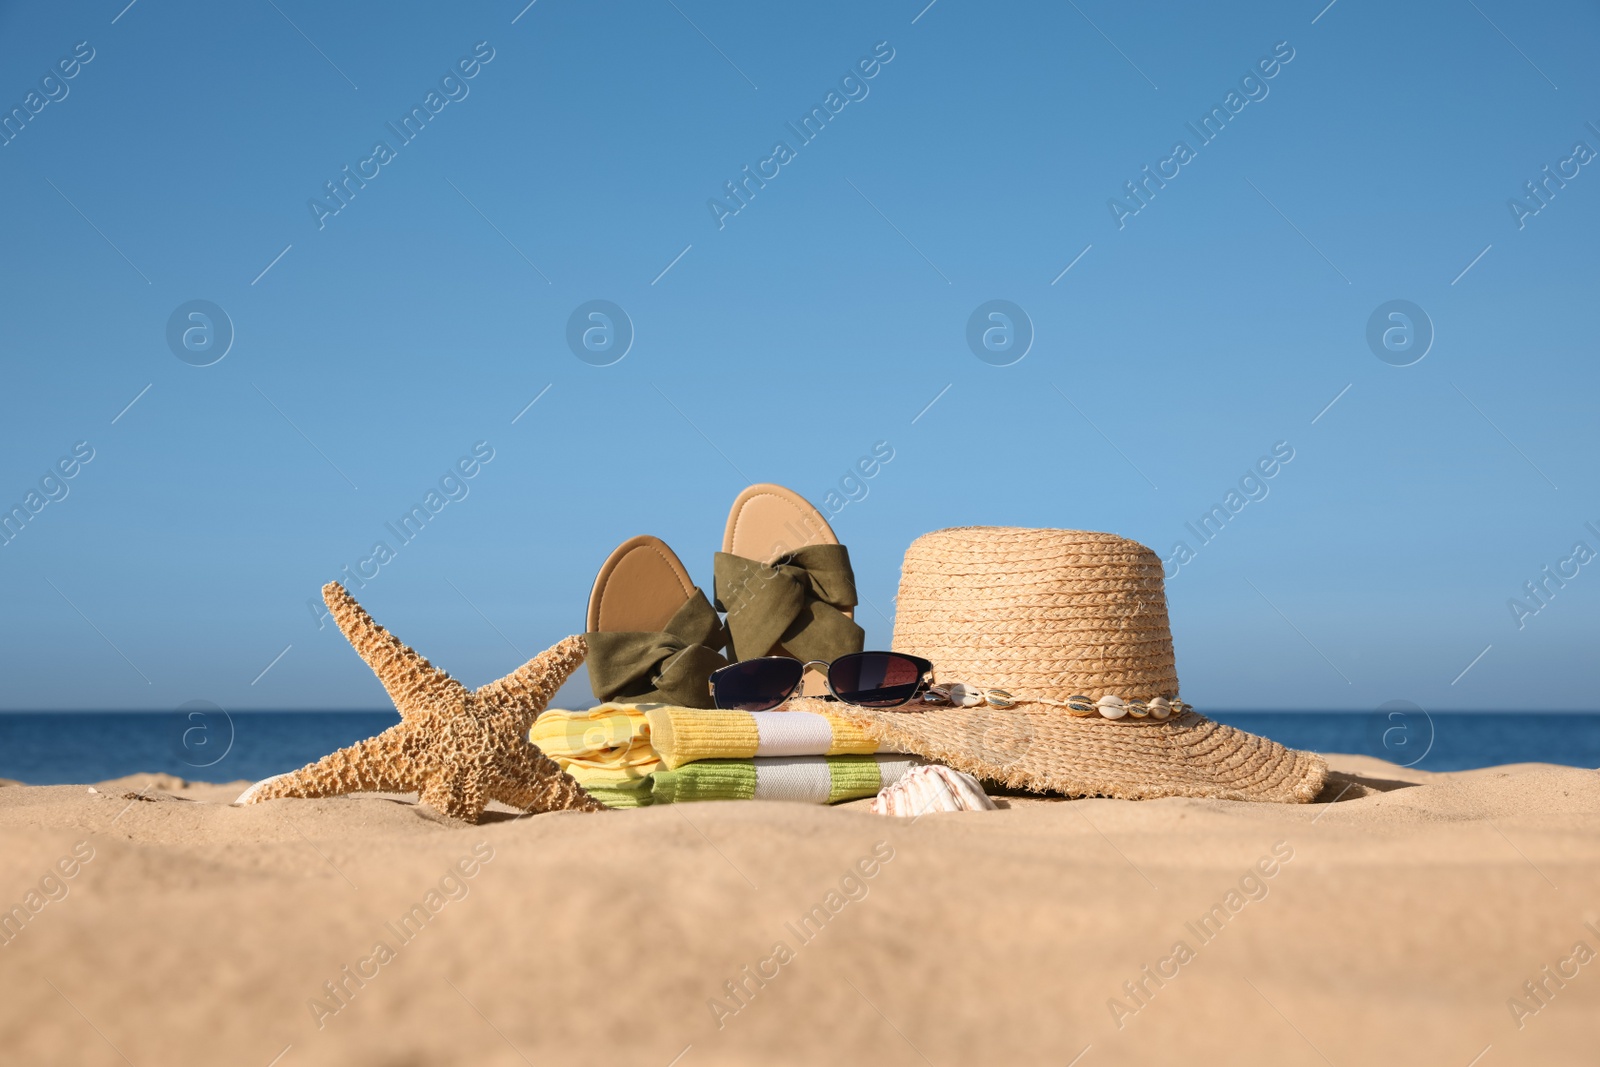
{"points": [[633, 755], [803, 779]]}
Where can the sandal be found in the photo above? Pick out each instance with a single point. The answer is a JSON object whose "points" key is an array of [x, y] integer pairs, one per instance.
{"points": [[785, 580], [653, 637]]}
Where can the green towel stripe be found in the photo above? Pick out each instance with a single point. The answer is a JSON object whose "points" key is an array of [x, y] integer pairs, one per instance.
{"points": [[712, 779], [612, 797], [628, 793], [852, 777], [849, 778]]}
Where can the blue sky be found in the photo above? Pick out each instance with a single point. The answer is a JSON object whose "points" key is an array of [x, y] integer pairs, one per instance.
{"points": [[375, 347]]}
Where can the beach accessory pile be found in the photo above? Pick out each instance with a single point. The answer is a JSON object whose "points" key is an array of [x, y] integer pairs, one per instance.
{"points": [[932, 788]]}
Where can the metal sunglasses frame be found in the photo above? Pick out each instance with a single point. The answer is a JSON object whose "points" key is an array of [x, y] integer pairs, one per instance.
{"points": [[924, 680]]}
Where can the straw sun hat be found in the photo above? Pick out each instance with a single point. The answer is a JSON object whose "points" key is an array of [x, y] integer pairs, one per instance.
{"points": [[1048, 615]]}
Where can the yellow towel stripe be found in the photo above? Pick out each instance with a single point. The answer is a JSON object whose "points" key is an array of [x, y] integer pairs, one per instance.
{"points": [[683, 735], [849, 738]]}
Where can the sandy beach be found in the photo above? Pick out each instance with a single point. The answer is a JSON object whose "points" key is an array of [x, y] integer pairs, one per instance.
{"points": [[1398, 925]]}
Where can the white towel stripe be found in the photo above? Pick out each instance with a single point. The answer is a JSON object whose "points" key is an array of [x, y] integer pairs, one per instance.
{"points": [[792, 733], [799, 778]]}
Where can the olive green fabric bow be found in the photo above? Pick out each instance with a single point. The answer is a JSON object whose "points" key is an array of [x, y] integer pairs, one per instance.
{"points": [[670, 667], [795, 602]]}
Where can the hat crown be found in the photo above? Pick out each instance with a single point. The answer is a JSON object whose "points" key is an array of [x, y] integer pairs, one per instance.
{"points": [[1042, 613]]}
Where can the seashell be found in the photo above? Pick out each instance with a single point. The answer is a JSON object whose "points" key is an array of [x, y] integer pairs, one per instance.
{"points": [[970, 793], [963, 696], [1081, 706], [1112, 706], [1137, 709], [928, 795], [931, 788], [913, 796], [1160, 710]]}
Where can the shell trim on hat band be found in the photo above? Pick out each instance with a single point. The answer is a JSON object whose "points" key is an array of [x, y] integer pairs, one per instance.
{"points": [[1109, 706]]}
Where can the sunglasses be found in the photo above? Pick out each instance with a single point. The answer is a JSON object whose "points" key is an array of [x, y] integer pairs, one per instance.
{"points": [[865, 679]]}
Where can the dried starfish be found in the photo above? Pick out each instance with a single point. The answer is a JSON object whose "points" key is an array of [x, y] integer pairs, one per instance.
{"points": [[457, 749]]}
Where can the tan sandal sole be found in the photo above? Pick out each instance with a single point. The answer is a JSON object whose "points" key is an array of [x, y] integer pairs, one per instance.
{"points": [[641, 585], [767, 521]]}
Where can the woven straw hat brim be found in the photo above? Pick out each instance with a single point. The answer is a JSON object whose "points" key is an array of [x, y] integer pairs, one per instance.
{"points": [[1041, 748]]}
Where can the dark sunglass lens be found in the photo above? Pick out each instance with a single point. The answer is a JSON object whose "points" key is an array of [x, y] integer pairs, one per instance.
{"points": [[755, 684], [875, 679]]}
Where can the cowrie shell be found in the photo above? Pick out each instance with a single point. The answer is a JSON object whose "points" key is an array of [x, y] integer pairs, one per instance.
{"points": [[964, 696], [1111, 706]]}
